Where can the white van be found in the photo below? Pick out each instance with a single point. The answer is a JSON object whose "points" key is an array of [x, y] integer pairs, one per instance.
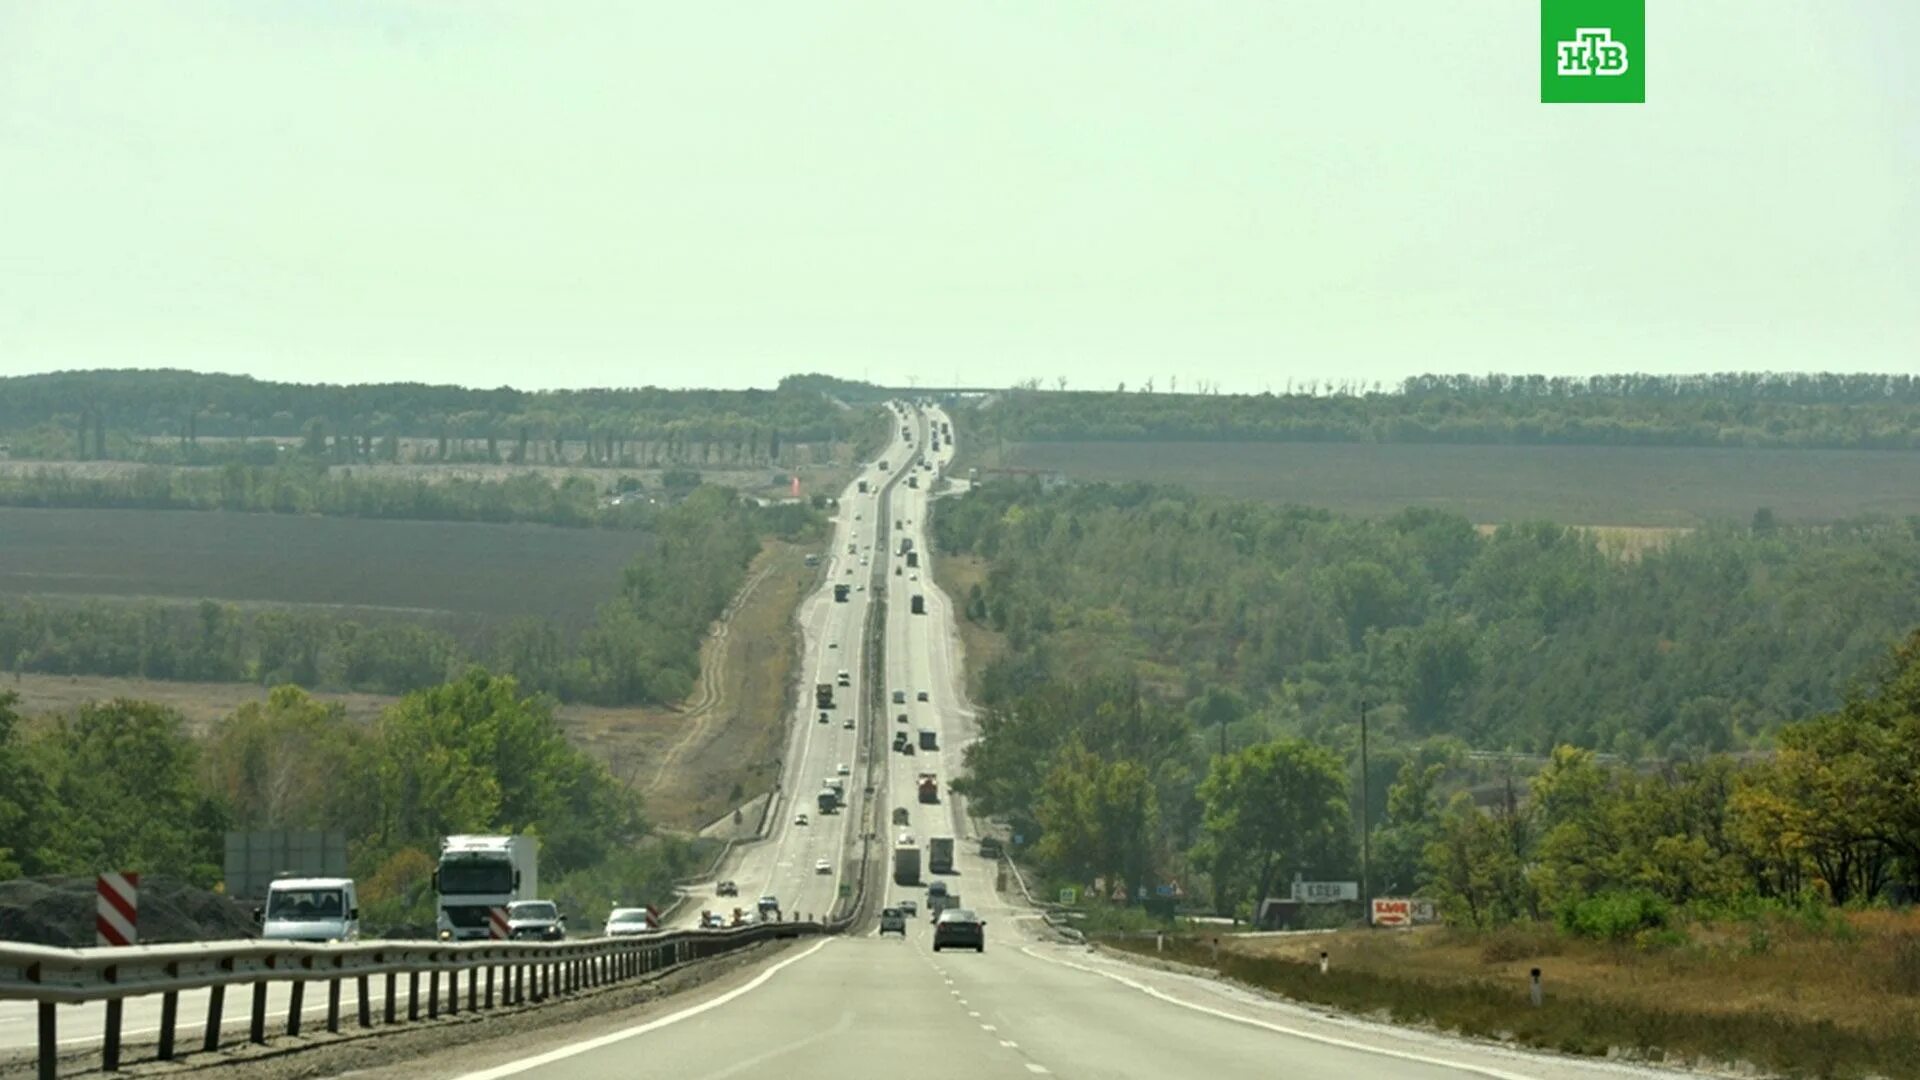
{"points": [[311, 909]]}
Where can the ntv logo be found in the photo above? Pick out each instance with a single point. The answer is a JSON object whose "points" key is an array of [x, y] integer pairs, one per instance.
{"points": [[1581, 38], [1593, 52]]}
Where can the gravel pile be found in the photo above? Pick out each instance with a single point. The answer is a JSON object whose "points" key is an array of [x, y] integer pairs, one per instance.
{"points": [[59, 911]]}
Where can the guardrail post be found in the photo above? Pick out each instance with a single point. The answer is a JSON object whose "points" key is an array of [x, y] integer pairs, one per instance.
{"points": [[49, 1042], [333, 1006], [169, 1016], [298, 1000], [216, 997], [433, 994], [366, 1007], [473, 988], [453, 992], [258, 1031], [393, 977], [413, 996], [110, 1044], [489, 986]]}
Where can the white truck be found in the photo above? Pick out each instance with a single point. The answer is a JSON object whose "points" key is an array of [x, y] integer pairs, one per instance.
{"points": [[479, 873], [940, 854], [906, 863]]}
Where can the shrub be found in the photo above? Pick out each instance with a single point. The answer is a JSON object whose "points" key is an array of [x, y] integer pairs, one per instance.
{"points": [[1615, 916]]}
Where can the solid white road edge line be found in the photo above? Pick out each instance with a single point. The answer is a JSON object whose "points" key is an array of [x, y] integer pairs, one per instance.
{"points": [[513, 1067], [1282, 1029]]}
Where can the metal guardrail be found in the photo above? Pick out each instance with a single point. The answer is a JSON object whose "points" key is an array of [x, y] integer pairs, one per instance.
{"points": [[499, 974]]}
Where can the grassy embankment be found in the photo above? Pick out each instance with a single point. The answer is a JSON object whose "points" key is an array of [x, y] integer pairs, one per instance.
{"points": [[1826, 995], [1668, 487]]}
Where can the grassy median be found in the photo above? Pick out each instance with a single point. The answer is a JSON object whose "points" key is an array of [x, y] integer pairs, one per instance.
{"points": [[1832, 997]]}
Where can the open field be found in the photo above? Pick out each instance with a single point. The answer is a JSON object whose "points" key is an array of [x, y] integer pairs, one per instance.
{"points": [[757, 480], [693, 761], [1577, 485], [415, 567], [1840, 1000]]}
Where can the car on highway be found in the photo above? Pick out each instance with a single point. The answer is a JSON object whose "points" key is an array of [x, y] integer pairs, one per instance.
{"points": [[822, 866], [893, 921], [921, 696], [916, 577], [726, 888], [848, 724], [712, 920], [535, 920], [959, 928], [800, 819], [901, 719], [843, 770], [899, 697], [833, 644], [628, 921], [909, 906]]}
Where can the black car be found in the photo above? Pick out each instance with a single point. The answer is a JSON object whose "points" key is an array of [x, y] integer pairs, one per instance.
{"points": [[959, 928]]}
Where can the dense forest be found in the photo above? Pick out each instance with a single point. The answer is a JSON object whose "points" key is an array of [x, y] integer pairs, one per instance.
{"points": [[1113, 787], [1826, 411], [164, 416], [1523, 639], [1182, 681], [122, 783], [642, 646]]}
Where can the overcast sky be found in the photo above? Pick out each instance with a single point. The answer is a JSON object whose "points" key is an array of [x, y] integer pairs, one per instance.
{"points": [[717, 193]]}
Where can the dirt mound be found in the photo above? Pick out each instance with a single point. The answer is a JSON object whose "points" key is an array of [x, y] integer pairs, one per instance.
{"points": [[59, 911]]}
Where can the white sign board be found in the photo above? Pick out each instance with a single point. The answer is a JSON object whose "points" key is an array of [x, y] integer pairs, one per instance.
{"points": [[1325, 892]]}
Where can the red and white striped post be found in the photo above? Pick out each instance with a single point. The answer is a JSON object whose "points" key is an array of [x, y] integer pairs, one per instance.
{"points": [[497, 924], [116, 916]]}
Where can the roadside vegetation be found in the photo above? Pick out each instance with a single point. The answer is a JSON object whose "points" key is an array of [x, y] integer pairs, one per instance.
{"points": [[1734, 409], [1798, 991], [122, 783]]}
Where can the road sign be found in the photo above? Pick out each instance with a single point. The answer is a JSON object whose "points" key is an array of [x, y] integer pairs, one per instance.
{"points": [[1325, 892], [497, 924], [1069, 896], [1163, 890], [1119, 894], [116, 909], [1392, 911]]}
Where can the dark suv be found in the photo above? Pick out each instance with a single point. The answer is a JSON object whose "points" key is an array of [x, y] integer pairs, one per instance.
{"points": [[959, 928]]}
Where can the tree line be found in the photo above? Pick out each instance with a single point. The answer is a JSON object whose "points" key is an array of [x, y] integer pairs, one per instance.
{"points": [[1112, 787], [641, 646], [314, 488], [107, 413], [124, 784], [1734, 411]]}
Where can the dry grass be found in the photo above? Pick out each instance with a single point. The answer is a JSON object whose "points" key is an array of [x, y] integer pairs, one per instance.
{"points": [[1621, 542], [1836, 1000], [956, 574], [201, 703], [717, 748]]}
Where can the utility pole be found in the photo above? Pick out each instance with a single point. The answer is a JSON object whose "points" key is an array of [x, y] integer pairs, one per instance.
{"points": [[1366, 843]]}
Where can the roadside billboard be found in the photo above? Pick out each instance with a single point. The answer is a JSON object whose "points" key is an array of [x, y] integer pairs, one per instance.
{"points": [[1401, 911]]}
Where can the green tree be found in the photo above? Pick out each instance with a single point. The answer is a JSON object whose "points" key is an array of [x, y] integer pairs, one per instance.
{"points": [[1272, 810], [123, 794]]}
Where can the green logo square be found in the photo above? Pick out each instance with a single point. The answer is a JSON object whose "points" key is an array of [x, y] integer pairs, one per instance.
{"points": [[1593, 50]]}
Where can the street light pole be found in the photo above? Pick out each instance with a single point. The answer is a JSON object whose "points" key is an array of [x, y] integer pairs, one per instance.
{"points": [[1366, 843]]}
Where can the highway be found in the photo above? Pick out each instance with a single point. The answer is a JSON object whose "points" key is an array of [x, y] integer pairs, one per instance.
{"points": [[861, 1005], [865, 1006]]}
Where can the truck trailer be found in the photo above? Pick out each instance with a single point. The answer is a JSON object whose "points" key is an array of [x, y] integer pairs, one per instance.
{"points": [[823, 695], [479, 873], [906, 864], [940, 854]]}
